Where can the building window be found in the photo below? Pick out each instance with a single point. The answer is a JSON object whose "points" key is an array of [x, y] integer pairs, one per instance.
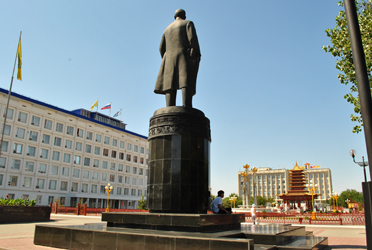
{"points": [[102, 189], [86, 174], [133, 192], [17, 149], [77, 159], [52, 185], [7, 129], [79, 133], [29, 167], [89, 135], [129, 157], [66, 157], [104, 176], [64, 185], [55, 155], [97, 150], [113, 154], [59, 127], [94, 189], [104, 164], [54, 170], [120, 179], [2, 162], [121, 144], [42, 168], [112, 166], [134, 170], [107, 140], [127, 169], [105, 152], [10, 113], [74, 187], [135, 149], [134, 181], [112, 177], [142, 160], [13, 180], [120, 168], [66, 171], [57, 141], [78, 146], [35, 121], [139, 192], [76, 173], [140, 171], [95, 176], [40, 183], [1, 179], [16, 164], [114, 142], [121, 156], [46, 139], [88, 148], [31, 151], [96, 163], [33, 135], [126, 191], [70, 130], [20, 133], [142, 150], [68, 144], [22, 117], [48, 124], [135, 159], [44, 153], [129, 146], [118, 191], [98, 138], [86, 161], [127, 180], [140, 182], [4, 147]]}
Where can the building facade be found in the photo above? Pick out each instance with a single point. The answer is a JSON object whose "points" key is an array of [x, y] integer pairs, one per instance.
{"points": [[49, 153], [273, 182]]}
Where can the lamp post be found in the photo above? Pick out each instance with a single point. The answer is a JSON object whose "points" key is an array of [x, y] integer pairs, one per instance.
{"points": [[335, 201], [347, 202], [363, 164], [108, 188], [233, 199], [312, 191], [254, 170], [245, 179]]}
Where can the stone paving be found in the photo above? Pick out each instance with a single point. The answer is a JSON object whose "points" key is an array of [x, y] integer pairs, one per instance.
{"points": [[19, 236]]}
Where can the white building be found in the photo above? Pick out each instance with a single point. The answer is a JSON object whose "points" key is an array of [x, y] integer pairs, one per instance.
{"points": [[50, 153], [273, 182]]}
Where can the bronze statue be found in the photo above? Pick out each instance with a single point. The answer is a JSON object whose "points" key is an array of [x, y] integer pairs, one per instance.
{"points": [[180, 51]]}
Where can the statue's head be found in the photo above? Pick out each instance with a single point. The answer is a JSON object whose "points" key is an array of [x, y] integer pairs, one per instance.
{"points": [[180, 13]]}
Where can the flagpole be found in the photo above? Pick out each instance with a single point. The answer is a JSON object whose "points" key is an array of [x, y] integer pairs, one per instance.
{"points": [[110, 111], [10, 91]]}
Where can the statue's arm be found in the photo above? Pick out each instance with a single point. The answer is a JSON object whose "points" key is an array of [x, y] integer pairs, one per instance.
{"points": [[193, 40], [162, 46]]}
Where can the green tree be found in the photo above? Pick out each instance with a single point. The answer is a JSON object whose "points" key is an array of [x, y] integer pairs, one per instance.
{"points": [[261, 201], [350, 194], [142, 204], [226, 201], [341, 49]]}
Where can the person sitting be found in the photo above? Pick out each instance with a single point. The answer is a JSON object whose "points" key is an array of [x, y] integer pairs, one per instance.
{"points": [[217, 204]]}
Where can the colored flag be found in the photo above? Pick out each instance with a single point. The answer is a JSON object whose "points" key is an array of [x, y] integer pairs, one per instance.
{"points": [[107, 106], [19, 55], [117, 113], [94, 105]]}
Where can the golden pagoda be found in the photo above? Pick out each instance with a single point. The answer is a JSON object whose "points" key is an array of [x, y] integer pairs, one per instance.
{"points": [[297, 192]]}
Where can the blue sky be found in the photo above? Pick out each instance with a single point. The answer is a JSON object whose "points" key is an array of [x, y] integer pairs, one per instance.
{"points": [[270, 91]]}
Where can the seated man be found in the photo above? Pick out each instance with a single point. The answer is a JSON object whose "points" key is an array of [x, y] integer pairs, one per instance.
{"points": [[217, 204]]}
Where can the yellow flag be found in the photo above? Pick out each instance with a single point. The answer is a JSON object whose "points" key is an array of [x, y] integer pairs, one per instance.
{"points": [[19, 55], [94, 105]]}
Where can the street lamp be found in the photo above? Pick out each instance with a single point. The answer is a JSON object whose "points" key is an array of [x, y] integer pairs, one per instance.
{"points": [[254, 170], [312, 191], [233, 199], [362, 164], [347, 201], [108, 188], [245, 179], [335, 201]]}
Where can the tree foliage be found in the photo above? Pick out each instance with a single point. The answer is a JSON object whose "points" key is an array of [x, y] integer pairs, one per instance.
{"points": [[142, 204], [341, 49], [226, 201], [350, 194], [261, 201]]}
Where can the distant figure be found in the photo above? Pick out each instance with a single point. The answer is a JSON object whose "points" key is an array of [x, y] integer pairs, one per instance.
{"points": [[253, 214], [217, 204], [180, 51]]}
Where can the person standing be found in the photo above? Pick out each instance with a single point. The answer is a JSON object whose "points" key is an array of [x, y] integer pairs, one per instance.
{"points": [[180, 52], [253, 214], [217, 204]]}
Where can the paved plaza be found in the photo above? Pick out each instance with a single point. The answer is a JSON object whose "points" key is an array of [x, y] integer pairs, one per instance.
{"points": [[19, 236]]}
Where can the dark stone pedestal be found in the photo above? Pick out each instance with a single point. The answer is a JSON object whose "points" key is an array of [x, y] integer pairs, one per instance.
{"points": [[179, 139]]}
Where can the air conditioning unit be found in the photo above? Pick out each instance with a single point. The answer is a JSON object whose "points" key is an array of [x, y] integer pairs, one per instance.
{"points": [[41, 156], [75, 162], [30, 138], [32, 123], [66, 146], [42, 141], [16, 135], [87, 137], [19, 119], [28, 154]]}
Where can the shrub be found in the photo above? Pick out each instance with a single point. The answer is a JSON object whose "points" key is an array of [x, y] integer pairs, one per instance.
{"points": [[17, 202]]}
